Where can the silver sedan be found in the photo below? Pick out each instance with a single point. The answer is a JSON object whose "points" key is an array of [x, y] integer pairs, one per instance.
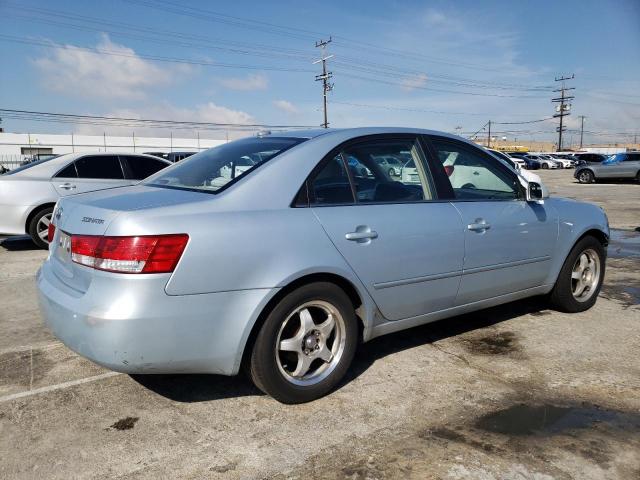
{"points": [[618, 166], [29, 193], [285, 266]]}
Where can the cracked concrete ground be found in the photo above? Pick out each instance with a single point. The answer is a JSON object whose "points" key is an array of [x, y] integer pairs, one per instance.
{"points": [[513, 392]]}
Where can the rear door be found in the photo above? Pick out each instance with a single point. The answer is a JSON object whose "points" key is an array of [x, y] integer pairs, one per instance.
{"points": [[509, 242], [404, 245], [93, 172]]}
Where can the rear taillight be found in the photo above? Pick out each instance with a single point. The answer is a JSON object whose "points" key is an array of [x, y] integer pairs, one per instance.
{"points": [[51, 231], [144, 254]]}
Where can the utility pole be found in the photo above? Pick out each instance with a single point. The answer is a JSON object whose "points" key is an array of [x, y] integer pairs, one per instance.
{"points": [[489, 135], [564, 108], [582, 117], [324, 77]]}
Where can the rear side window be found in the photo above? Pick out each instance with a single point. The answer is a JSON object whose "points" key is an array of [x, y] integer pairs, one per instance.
{"points": [[375, 183], [143, 167], [100, 166], [68, 172], [331, 184]]}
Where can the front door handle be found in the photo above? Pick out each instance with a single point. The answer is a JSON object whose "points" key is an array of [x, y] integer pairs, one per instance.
{"points": [[479, 225], [67, 186], [363, 234]]}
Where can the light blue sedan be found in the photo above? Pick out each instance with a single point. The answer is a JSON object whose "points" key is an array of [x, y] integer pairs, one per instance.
{"points": [[285, 266]]}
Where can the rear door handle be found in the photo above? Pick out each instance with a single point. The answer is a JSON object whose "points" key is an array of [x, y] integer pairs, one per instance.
{"points": [[479, 225], [67, 186], [363, 234]]}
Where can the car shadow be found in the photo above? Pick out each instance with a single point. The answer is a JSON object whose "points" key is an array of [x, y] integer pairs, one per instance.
{"points": [[380, 347], [190, 388], [18, 244]]}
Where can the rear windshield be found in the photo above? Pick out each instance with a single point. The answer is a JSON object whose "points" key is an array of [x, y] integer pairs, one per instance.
{"points": [[213, 169], [29, 165]]}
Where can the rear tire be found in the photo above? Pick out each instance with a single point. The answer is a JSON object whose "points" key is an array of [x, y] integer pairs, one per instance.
{"points": [[638, 177], [586, 176], [298, 357], [580, 279], [38, 227], [545, 166]]}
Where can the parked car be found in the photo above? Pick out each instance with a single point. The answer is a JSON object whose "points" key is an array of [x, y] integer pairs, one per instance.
{"points": [[286, 267], [620, 165], [29, 193], [529, 163], [544, 163], [585, 158], [392, 165], [171, 156], [566, 162], [517, 164]]}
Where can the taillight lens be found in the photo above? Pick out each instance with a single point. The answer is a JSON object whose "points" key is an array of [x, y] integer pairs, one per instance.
{"points": [[51, 231], [143, 254]]}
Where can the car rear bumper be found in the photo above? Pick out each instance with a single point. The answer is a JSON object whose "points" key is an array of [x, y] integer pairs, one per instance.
{"points": [[128, 323]]}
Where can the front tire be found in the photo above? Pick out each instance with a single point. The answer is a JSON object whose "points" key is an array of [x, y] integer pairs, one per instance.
{"points": [[306, 344], [580, 278], [586, 176], [39, 227]]}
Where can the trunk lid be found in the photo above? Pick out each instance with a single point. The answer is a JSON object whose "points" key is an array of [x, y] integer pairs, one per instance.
{"points": [[91, 214]]}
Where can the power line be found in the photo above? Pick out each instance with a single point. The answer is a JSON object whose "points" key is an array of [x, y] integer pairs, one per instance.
{"points": [[24, 40], [51, 116]]}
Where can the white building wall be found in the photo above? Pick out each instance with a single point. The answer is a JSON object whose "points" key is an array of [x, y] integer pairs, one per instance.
{"points": [[12, 143]]}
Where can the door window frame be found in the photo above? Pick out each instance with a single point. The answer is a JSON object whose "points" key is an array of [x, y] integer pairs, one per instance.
{"points": [[122, 170], [304, 197], [438, 169]]}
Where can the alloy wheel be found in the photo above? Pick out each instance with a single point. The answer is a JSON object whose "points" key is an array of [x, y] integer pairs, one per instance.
{"points": [[310, 343], [585, 275], [42, 227]]}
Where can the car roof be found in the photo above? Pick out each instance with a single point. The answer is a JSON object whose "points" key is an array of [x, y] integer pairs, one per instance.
{"points": [[358, 132]]}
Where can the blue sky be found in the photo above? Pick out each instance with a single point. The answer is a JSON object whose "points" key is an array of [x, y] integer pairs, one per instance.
{"points": [[433, 64]]}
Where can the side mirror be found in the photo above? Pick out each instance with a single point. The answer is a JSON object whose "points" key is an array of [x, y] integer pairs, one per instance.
{"points": [[536, 192]]}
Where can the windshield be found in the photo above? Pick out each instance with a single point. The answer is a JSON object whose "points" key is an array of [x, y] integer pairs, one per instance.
{"points": [[213, 169]]}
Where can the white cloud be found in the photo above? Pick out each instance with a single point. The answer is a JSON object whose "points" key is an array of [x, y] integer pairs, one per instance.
{"points": [[285, 106], [417, 81], [253, 81], [76, 72], [207, 112]]}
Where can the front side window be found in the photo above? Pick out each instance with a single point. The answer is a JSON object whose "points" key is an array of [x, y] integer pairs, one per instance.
{"points": [[475, 175], [213, 169], [100, 166]]}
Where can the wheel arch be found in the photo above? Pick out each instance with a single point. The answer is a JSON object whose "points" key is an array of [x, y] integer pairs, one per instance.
{"points": [[35, 211], [344, 283]]}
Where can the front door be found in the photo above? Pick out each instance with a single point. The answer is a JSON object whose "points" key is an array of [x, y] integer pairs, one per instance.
{"points": [[508, 242], [404, 245]]}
